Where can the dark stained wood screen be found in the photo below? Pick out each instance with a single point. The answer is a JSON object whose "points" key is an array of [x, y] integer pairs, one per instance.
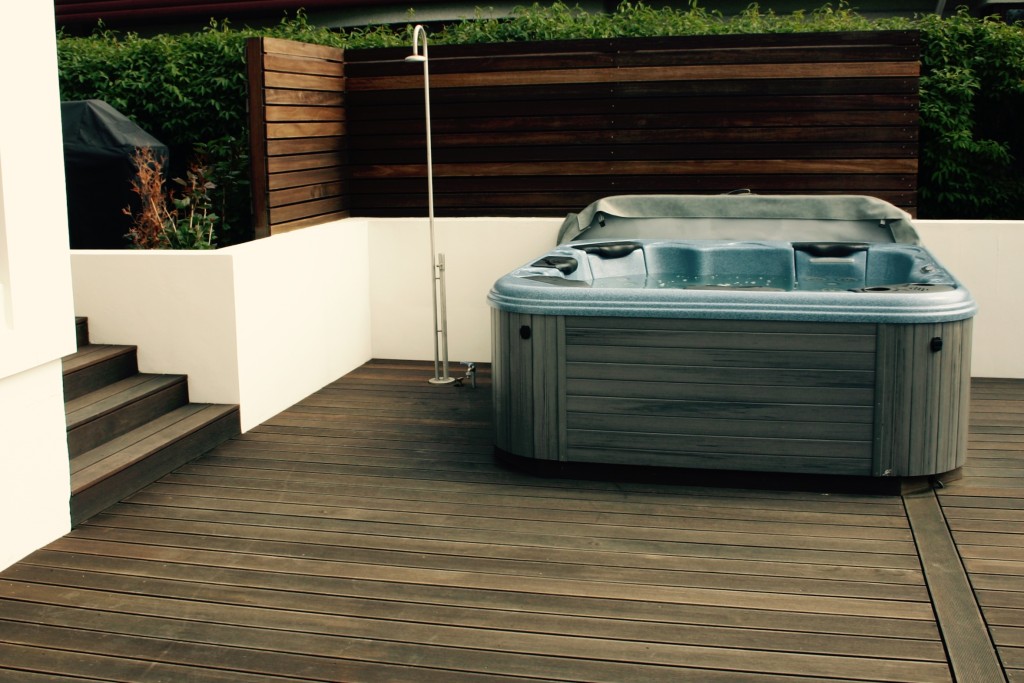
{"points": [[297, 136], [546, 128]]}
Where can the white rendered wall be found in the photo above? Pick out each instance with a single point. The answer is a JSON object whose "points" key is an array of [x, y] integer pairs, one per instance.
{"points": [[985, 256], [477, 252], [262, 324], [36, 315], [35, 482], [302, 314], [178, 307]]}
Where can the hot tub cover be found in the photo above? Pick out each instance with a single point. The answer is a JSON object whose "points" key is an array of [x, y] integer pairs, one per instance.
{"points": [[741, 217]]}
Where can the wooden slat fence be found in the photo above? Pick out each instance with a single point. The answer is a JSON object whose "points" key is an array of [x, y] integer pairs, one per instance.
{"points": [[297, 120], [545, 128]]}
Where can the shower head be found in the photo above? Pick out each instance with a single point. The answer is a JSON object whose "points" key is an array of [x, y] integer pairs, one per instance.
{"points": [[418, 33]]}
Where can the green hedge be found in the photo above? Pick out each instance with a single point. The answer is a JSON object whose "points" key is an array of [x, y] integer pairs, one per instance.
{"points": [[189, 90]]}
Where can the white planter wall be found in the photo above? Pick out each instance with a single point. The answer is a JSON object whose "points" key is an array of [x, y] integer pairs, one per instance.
{"points": [[302, 314], [262, 324]]}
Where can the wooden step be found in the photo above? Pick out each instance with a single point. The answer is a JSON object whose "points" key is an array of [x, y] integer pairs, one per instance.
{"points": [[96, 365], [126, 429], [123, 465], [81, 331], [117, 408]]}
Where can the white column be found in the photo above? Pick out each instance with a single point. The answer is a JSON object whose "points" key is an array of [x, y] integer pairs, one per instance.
{"points": [[36, 314]]}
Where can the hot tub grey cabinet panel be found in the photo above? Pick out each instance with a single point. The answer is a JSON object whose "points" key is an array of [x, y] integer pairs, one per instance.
{"points": [[923, 397], [861, 399], [529, 379]]}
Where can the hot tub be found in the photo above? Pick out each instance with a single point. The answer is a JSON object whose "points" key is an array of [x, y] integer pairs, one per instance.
{"points": [[796, 334]]}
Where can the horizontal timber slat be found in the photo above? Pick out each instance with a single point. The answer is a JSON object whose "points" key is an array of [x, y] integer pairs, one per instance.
{"points": [[308, 209], [641, 74], [306, 65], [640, 96], [702, 124], [279, 46], [665, 99], [749, 392], [845, 379], [805, 134], [305, 194], [285, 147], [308, 98], [306, 113], [827, 465], [723, 410], [303, 129], [784, 426], [723, 357], [786, 327], [303, 82], [702, 167], [483, 188], [299, 223], [721, 334], [600, 152], [323, 176], [636, 440], [301, 162]]}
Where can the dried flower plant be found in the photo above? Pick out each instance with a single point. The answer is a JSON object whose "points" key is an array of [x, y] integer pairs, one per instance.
{"points": [[182, 220], [147, 231]]}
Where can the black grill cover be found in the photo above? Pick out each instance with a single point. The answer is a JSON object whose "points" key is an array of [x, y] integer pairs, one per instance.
{"points": [[99, 142]]}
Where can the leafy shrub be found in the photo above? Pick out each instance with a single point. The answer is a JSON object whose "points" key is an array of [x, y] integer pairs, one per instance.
{"points": [[189, 90], [972, 140]]}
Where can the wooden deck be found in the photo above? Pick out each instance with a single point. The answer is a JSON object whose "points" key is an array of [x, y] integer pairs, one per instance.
{"points": [[366, 534]]}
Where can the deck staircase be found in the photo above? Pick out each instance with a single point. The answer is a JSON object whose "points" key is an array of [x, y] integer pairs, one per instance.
{"points": [[125, 428]]}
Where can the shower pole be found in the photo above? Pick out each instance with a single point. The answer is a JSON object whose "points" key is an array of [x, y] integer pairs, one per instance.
{"points": [[436, 260]]}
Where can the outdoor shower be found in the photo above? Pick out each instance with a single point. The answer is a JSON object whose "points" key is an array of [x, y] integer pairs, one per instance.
{"points": [[436, 260]]}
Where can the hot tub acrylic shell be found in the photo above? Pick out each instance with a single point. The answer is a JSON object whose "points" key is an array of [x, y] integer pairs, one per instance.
{"points": [[837, 357], [755, 280]]}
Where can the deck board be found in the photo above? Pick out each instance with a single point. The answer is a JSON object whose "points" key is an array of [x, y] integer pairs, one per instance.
{"points": [[367, 534]]}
